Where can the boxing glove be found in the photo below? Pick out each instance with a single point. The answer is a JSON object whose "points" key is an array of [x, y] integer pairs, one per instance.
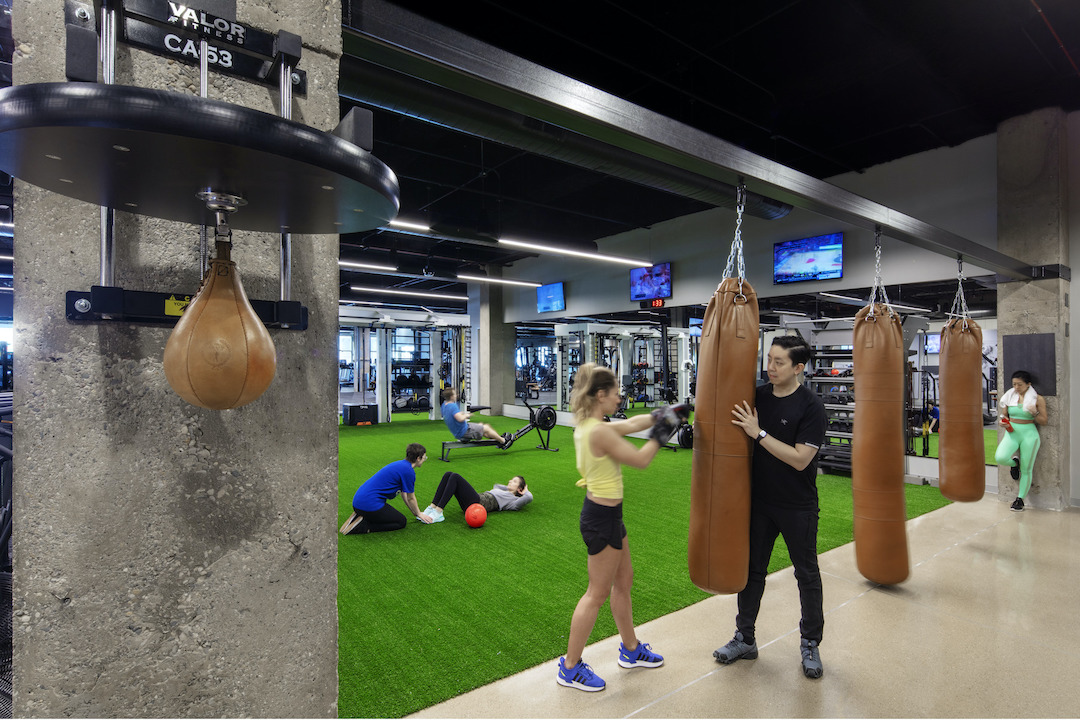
{"points": [[667, 421]]}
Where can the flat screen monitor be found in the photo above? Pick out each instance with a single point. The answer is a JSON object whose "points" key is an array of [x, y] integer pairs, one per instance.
{"points": [[549, 298], [813, 258], [933, 344], [651, 283]]}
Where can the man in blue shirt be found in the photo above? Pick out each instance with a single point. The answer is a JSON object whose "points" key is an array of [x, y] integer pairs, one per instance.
{"points": [[457, 420], [371, 513]]}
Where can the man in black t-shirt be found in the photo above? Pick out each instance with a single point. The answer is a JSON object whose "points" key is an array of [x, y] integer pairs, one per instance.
{"points": [[788, 426]]}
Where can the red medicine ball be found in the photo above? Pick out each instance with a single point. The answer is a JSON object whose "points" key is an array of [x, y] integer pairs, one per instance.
{"points": [[475, 515]]}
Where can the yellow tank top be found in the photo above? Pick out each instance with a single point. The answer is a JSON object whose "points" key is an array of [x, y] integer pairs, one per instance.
{"points": [[601, 476]]}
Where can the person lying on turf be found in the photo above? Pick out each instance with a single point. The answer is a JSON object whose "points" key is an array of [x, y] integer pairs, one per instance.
{"points": [[371, 512], [457, 420], [512, 496]]}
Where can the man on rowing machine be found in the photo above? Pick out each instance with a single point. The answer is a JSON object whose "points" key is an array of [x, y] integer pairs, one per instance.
{"points": [[457, 420]]}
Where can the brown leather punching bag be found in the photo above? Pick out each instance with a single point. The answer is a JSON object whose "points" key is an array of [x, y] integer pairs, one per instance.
{"points": [[220, 355], [962, 456], [719, 549], [877, 461]]}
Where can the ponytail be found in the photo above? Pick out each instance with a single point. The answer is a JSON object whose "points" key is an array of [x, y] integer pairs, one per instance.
{"points": [[589, 380]]}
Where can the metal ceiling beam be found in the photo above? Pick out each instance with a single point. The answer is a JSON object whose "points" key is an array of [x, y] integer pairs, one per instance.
{"points": [[394, 38]]}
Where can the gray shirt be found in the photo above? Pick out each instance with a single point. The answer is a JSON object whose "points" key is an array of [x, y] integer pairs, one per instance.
{"points": [[508, 500]]}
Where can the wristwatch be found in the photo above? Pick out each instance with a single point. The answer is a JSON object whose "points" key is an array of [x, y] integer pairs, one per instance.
{"points": [[762, 435]]}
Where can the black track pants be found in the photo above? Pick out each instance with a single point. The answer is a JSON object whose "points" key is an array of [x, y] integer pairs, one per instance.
{"points": [[799, 528]]}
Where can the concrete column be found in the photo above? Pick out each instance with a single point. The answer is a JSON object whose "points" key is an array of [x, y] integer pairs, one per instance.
{"points": [[171, 561], [496, 341], [1032, 226]]}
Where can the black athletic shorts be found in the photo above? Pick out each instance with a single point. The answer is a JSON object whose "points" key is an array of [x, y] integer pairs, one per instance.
{"points": [[601, 526]]}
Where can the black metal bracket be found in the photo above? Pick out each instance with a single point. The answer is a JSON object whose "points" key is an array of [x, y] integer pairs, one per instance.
{"points": [[174, 30], [1042, 272], [115, 304]]}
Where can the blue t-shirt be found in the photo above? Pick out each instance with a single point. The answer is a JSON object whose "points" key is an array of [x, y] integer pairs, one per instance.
{"points": [[457, 427], [394, 478]]}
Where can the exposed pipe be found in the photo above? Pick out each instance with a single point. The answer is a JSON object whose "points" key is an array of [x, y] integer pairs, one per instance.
{"points": [[1056, 37]]}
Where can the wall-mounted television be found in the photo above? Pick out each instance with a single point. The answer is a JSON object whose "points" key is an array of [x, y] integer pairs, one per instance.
{"points": [[651, 283], [813, 258], [933, 343], [550, 298]]}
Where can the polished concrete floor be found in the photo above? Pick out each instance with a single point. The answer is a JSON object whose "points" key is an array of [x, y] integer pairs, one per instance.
{"points": [[987, 625]]}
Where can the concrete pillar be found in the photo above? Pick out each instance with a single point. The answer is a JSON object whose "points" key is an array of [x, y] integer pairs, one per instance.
{"points": [[493, 352], [171, 561], [1032, 226]]}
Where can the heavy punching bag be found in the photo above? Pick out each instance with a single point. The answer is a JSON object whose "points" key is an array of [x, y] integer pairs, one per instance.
{"points": [[962, 456], [220, 355], [719, 549], [877, 461]]}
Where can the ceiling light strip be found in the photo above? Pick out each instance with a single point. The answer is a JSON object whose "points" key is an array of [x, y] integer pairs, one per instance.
{"points": [[406, 225], [410, 293], [366, 266], [500, 281], [575, 253]]}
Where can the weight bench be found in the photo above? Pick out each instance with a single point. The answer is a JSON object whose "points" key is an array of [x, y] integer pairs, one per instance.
{"points": [[449, 445]]}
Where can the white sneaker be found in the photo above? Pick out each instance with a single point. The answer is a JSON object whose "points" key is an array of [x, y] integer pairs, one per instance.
{"points": [[436, 516]]}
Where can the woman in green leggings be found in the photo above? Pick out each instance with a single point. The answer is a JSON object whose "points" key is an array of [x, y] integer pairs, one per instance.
{"points": [[1021, 410]]}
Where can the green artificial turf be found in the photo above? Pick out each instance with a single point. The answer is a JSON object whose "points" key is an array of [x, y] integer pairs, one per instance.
{"points": [[433, 611], [989, 444]]}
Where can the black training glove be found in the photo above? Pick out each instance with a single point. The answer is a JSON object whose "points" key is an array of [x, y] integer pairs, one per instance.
{"points": [[668, 419]]}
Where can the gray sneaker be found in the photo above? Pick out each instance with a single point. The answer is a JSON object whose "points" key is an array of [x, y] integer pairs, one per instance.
{"points": [[811, 659], [736, 650]]}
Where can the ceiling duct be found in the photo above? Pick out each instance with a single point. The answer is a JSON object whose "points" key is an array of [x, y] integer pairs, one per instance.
{"points": [[396, 92]]}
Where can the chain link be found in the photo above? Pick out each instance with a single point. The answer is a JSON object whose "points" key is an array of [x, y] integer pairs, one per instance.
{"points": [[959, 305], [735, 258], [879, 285]]}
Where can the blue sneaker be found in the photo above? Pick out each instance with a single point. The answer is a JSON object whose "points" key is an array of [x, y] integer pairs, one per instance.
{"points": [[641, 656], [581, 676]]}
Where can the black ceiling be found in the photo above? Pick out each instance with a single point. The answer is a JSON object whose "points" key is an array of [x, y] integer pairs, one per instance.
{"points": [[823, 86]]}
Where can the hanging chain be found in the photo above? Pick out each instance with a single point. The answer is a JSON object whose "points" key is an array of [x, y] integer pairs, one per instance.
{"points": [[736, 252], [959, 305], [879, 286]]}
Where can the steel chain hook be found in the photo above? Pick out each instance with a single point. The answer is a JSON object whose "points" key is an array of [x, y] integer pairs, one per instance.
{"points": [[735, 255], [960, 306]]}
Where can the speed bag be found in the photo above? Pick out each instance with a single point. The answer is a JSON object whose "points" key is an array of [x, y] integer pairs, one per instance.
{"points": [[877, 453], [962, 452], [220, 355], [719, 545]]}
